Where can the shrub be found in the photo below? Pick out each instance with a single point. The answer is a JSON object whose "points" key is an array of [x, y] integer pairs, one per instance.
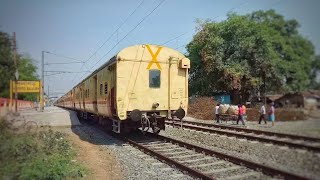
{"points": [[41, 155]]}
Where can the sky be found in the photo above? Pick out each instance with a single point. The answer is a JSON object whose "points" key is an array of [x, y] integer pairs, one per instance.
{"points": [[94, 31]]}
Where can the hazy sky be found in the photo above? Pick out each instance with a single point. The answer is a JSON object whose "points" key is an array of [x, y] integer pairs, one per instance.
{"points": [[77, 28]]}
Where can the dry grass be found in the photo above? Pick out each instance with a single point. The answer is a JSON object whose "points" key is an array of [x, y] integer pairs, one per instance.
{"points": [[202, 108], [282, 114]]}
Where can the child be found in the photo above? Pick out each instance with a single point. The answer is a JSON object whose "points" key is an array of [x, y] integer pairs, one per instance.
{"points": [[272, 117]]}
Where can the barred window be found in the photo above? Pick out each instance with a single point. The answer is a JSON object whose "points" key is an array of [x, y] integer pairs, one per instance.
{"points": [[105, 88], [154, 78], [100, 89]]}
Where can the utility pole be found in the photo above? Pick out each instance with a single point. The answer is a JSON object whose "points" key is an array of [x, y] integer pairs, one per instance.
{"points": [[265, 91], [48, 95], [42, 83], [48, 91], [16, 73]]}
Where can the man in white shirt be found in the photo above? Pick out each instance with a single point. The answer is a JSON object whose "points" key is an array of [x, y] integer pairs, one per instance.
{"points": [[262, 114], [217, 113]]}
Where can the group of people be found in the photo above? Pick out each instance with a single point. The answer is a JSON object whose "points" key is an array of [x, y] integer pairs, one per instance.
{"points": [[271, 114], [242, 114]]}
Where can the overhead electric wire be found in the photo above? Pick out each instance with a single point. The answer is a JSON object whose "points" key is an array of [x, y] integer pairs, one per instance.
{"points": [[114, 32], [174, 38], [177, 37], [66, 57], [142, 20], [76, 62], [128, 33], [68, 71], [233, 8]]}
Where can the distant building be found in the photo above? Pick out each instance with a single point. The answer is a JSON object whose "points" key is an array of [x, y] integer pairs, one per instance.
{"points": [[307, 99], [222, 98]]}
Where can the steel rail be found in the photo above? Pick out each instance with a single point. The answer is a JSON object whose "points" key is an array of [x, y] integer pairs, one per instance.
{"points": [[192, 172], [236, 160], [250, 137], [258, 132]]}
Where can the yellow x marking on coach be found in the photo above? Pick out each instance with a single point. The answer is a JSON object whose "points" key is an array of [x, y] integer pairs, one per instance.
{"points": [[154, 57]]}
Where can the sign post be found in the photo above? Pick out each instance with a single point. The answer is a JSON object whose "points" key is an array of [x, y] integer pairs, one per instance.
{"points": [[16, 91], [11, 88], [24, 87], [41, 96]]}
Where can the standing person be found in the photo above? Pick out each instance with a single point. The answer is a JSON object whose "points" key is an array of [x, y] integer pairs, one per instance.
{"points": [[272, 117], [244, 110], [240, 116], [262, 114], [217, 112]]}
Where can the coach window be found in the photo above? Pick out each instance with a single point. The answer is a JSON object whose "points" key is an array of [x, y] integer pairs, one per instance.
{"points": [[154, 78], [105, 88], [100, 89]]}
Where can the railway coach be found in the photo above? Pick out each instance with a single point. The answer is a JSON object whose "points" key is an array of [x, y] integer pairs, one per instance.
{"points": [[139, 87]]}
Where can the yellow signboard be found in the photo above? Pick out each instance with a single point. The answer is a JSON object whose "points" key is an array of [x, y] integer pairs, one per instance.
{"points": [[27, 86]]}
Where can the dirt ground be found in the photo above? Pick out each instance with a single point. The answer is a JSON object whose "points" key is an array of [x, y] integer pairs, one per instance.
{"points": [[100, 162]]}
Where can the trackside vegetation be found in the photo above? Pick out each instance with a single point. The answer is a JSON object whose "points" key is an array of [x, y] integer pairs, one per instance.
{"points": [[41, 155], [26, 67], [247, 54]]}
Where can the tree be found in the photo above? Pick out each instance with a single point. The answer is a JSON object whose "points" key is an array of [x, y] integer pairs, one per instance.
{"points": [[237, 54], [6, 64], [27, 70], [315, 73]]}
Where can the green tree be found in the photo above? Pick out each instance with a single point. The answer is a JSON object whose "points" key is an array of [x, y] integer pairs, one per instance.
{"points": [[27, 70], [315, 73], [237, 54], [6, 64]]}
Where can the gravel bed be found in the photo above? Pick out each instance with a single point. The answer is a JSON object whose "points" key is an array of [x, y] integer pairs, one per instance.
{"points": [[220, 168], [233, 172], [292, 160], [134, 164], [310, 127]]}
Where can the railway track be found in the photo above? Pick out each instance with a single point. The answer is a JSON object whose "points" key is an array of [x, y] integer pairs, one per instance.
{"points": [[295, 141], [201, 162]]}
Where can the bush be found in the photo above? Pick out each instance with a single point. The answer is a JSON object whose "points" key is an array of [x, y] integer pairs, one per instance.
{"points": [[42, 155]]}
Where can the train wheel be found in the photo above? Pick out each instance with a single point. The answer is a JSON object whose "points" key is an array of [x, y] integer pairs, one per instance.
{"points": [[156, 129]]}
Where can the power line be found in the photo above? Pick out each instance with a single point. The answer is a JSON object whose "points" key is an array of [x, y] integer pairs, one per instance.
{"points": [[128, 33], [177, 37], [143, 19], [68, 71], [174, 38], [111, 35], [116, 29], [66, 57], [233, 8], [76, 62]]}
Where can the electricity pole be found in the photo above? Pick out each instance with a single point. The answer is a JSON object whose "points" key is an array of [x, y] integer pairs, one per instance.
{"points": [[265, 89], [42, 83], [16, 73], [48, 91]]}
